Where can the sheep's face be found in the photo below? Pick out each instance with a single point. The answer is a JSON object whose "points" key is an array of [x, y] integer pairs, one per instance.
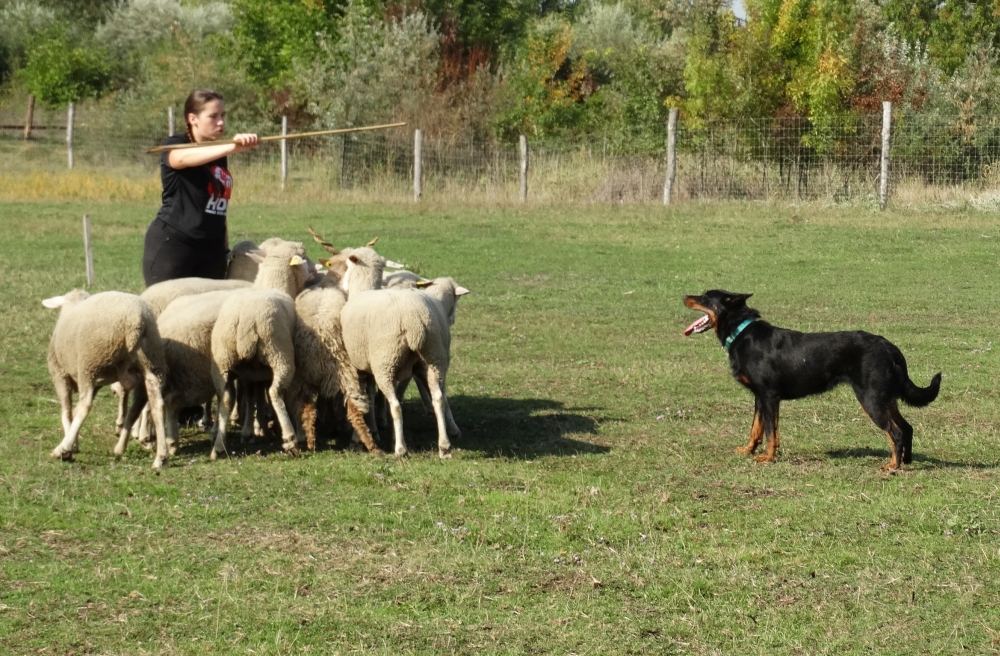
{"points": [[66, 300]]}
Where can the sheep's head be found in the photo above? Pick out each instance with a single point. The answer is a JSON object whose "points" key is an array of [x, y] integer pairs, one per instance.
{"points": [[364, 269], [66, 300], [445, 290], [284, 267]]}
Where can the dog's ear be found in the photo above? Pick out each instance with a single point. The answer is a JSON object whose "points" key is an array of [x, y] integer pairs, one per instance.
{"points": [[737, 299]]}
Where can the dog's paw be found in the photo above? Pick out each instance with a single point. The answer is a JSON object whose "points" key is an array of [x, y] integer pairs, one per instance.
{"points": [[745, 450], [767, 457]]}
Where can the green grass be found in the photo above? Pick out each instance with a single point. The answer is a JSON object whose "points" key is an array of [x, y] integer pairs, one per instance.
{"points": [[594, 504]]}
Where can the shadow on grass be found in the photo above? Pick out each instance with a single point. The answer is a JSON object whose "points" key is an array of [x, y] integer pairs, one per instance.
{"points": [[492, 427], [510, 428], [865, 452]]}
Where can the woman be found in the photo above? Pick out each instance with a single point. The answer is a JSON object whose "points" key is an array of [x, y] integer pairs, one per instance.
{"points": [[189, 235]]}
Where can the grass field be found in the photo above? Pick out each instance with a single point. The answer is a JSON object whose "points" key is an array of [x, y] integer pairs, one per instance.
{"points": [[594, 504]]}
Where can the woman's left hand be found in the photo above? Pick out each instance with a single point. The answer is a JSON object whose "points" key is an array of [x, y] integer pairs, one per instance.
{"points": [[246, 142]]}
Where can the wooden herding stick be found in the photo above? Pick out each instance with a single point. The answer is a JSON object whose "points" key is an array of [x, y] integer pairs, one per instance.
{"points": [[300, 135]]}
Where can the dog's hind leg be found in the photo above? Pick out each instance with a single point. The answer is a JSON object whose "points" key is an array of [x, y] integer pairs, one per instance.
{"points": [[906, 433], [769, 420], [882, 412], [756, 430]]}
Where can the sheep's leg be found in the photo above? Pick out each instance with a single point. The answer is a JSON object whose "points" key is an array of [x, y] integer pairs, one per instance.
{"points": [[122, 395], [288, 438], [239, 409], [140, 429], [360, 428], [385, 384], [206, 419], [435, 382], [64, 391], [380, 412], [171, 424], [371, 391], [248, 421], [420, 378], [128, 421], [307, 419], [154, 389], [224, 390], [68, 446]]}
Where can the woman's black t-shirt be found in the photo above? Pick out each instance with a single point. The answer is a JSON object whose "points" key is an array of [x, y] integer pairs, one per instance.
{"points": [[195, 199]]}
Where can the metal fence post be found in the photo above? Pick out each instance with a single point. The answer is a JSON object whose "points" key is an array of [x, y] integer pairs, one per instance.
{"points": [[524, 168], [668, 185], [170, 121], [88, 250], [29, 119], [883, 191], [69, 135], [418, 167], [284, 152]]}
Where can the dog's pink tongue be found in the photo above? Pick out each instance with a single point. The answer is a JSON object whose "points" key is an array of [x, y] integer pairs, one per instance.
{"points": [[694, 326]]}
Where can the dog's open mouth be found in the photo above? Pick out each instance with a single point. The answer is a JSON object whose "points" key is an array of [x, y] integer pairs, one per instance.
{"points": [[699, 326]]}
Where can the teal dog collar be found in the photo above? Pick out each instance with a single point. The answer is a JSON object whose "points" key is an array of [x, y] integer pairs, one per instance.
{"points": [[736, 333]]}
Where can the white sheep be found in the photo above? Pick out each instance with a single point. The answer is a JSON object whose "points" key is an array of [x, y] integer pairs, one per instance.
{"points": [[322, 365], [388, 332], [98, 340], [253, 338], [186, 330], [162, 294]]}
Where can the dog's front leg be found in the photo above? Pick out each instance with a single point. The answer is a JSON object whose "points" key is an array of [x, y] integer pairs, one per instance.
{"points": [[756, 430], [769, 416]]}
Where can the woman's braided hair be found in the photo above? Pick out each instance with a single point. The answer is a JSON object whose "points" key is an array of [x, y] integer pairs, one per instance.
{"points": [[195, 103]]}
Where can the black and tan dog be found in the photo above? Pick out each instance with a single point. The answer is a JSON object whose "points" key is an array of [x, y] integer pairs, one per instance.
{"points": [[777, 364]]}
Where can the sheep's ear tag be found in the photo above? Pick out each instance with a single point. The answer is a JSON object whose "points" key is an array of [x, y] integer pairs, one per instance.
{"points": [[372, 242], [295, 261], [462, 291], [423, 284], [324, 261], [54, 302]]}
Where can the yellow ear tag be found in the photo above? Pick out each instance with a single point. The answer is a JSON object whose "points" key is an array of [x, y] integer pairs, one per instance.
{"points": [[296, 261]]}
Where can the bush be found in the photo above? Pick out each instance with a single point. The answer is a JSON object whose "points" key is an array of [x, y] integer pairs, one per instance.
{"points": [[59, 74]]}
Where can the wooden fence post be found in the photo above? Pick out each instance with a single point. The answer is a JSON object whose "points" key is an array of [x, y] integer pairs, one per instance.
{"points": [[524, 168], [170, 121], [29, 119], [883, 191], [88, 251], [69, 135], [284, 152], [668, 185], [418, 165]]}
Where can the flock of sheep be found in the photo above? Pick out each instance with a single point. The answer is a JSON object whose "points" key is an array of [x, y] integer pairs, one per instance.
{"points": [[279, 329]]}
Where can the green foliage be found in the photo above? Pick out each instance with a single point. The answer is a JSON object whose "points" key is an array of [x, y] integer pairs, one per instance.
{"points": [[496, 25], [270, 35], [374, 71], [58, 73], [548, 88]]}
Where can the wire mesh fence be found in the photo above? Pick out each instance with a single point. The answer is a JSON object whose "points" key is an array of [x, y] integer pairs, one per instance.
{"points": [[833, 160]]}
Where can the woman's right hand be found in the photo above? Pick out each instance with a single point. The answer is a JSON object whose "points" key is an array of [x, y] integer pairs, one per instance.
{"points": [[245, 142]]}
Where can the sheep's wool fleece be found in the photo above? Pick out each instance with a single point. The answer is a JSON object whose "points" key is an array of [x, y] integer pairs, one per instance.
{"points": [[96, 336], [380, 326]]}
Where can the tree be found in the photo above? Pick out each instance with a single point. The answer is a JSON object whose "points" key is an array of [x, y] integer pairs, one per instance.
{"points": [[58, 73], [270, 35]]}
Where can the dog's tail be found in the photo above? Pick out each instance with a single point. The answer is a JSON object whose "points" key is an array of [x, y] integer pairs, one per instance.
{"points": [[920, 396]]}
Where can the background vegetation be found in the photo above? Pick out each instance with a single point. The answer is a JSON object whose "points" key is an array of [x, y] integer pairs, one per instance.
{"points": [[487, 71]]}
